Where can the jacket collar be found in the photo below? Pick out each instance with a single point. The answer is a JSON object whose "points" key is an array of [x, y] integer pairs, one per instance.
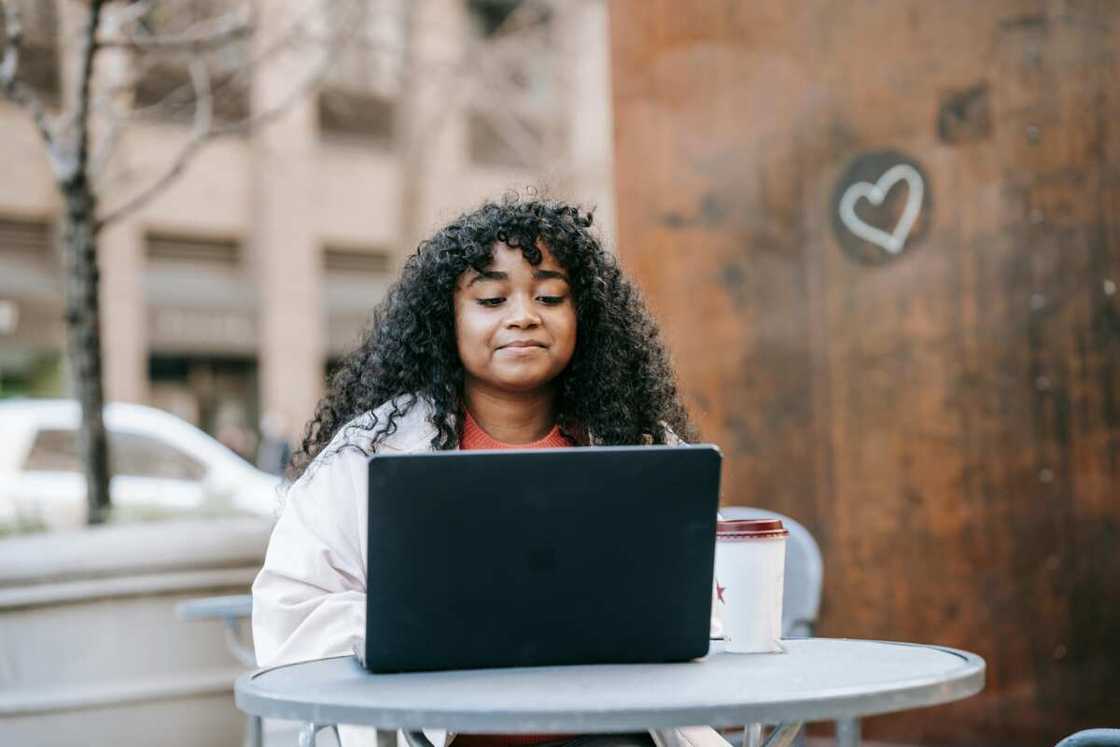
{"points": [[414, 431]]}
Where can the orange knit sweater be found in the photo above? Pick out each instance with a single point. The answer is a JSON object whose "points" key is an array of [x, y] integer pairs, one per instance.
{"points": [[476, 438]]}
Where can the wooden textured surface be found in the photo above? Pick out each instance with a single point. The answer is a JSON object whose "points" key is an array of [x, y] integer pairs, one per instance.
{"points": [[946, 423]]}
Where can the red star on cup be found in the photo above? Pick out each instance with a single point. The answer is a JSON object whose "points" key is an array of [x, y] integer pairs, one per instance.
{"points": [[719, 592]]}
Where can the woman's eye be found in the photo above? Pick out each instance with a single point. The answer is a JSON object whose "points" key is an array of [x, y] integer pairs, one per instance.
{"points": [[490, 301], [551, 300]]}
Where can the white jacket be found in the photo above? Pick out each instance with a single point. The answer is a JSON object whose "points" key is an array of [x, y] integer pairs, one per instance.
{"points": [[309, 598]]}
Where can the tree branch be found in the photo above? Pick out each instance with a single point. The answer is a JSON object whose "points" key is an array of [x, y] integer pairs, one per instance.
{"points": [[209, 34], [177, 100], [244, 72], [204, 98], [103, 151], [14, 88], [205, 130]]}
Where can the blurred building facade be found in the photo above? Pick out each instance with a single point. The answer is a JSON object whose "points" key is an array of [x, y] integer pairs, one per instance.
{"points": [[229, 296]]}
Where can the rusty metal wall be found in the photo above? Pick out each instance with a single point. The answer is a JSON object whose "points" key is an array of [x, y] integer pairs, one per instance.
{"points": [[883, 239]]}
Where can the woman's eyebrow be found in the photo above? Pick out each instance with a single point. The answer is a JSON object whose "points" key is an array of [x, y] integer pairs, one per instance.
{"points": [[487, 275], [498, 275]]}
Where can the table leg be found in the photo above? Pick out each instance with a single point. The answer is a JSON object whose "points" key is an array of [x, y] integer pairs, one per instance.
{"points": [[417, 739], [752, 735], [783, 735], [254, 732], [847, 732], [309, 731]]}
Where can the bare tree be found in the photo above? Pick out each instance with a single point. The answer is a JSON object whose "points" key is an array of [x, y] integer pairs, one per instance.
{"points": [[80, 141]]}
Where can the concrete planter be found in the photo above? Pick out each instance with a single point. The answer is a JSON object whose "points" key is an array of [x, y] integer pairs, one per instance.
{"points": [[91, 651]]}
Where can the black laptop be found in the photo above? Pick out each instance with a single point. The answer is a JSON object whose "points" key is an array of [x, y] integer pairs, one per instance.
{"points": [[540, 557]]}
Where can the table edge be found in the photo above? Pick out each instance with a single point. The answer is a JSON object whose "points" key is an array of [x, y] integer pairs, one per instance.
{"points": [[921, 692]]}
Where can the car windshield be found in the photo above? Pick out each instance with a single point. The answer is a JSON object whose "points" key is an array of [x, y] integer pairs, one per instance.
{"points": [[132, 454]]}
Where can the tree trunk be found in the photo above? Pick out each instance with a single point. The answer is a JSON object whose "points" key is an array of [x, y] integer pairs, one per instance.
{"points": [[83, 318], [410, 144]]}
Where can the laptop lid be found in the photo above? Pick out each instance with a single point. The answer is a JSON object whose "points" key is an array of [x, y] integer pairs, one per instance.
{"points": [[540, 557]]}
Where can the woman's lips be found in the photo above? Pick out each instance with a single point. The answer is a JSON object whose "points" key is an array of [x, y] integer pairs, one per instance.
{"points": [[522, 344]]}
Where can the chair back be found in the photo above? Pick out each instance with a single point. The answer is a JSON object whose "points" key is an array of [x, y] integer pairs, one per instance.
{"points": [[801, 596], [1092, 738]]}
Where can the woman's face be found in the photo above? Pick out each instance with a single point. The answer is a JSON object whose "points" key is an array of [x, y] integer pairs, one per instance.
{"points": [[515, 323]]}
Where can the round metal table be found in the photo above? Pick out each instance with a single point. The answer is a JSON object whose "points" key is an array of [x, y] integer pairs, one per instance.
{"points": [[816, 679]]}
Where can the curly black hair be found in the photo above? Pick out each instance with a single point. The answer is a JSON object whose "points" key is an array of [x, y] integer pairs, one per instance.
{"points": [[618, 386]]}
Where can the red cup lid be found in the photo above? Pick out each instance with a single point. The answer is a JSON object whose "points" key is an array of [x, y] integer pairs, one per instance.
{"points": [[751, 528]]}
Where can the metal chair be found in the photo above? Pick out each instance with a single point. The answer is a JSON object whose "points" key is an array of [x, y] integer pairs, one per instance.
{"points": [[1092, 738], [233, 610], [801, 599]]}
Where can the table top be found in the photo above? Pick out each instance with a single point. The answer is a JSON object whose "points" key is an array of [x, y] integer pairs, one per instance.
{"points": [[816, 679]]}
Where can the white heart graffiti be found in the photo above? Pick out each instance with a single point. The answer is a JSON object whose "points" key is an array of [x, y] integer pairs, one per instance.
{"points": [[892, 242]]}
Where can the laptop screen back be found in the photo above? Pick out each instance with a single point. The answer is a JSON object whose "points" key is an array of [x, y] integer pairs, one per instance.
{"points": [[522, 558]]}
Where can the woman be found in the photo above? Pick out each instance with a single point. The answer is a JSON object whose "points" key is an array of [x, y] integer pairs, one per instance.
{"points": [[510, 327]]}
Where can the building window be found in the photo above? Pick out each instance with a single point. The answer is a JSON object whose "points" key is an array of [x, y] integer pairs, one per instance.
{"points": [[357, 101], [491, 17], [169, 247], [164, 90], [355, 279], [200, 296], [356, 115], [351, 261], [27, 239]]}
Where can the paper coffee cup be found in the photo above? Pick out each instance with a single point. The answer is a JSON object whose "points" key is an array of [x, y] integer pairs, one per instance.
{"points": [[750, 570]]}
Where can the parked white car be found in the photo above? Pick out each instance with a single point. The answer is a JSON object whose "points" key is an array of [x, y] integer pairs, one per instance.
{"points": [[160, 463]]}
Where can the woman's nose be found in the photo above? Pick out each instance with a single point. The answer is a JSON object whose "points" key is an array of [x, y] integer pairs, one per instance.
{"points": [[521, 312]]}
